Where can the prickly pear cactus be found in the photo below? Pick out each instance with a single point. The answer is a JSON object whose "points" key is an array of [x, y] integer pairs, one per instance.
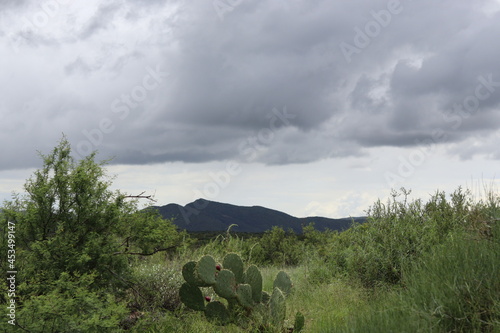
{"points": [[244, 296], [266, 297], [191, 276], [278, 307], [225, 284], [283, 282], [217, 312], [192, 297], [254, 279], [233, 262], [206, 270], [241, 289]]}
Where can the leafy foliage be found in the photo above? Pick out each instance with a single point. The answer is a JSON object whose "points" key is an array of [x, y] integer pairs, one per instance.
{"points": [[396, 233], [277, 247], [72, 306], [155, 287], [453, 288], [70, 225]]}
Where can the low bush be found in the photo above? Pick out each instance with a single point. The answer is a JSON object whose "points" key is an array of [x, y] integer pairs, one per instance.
{"points": [[70, 306], [453, 288], [397, 233], [156, 288]]}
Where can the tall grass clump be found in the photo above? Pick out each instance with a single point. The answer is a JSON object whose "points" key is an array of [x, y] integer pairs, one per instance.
{"points": [[397, 233], [156, 287], [453, 287], [458, 286]]}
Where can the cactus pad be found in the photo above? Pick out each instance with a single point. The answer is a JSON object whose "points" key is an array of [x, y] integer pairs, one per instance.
{"points": [[217, 312], [233, 262], [206, 270], [192, 297], [190, 275], [265, 297], [254, 279], [283, 282], [278, 307], [225, 284], [244, 296]]}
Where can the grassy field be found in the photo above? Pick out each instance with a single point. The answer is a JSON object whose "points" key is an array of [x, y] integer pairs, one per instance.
{"points": [[422, 268]]}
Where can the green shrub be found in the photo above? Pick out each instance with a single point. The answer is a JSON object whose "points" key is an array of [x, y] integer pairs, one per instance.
{"points": [[453, 288], [70, 306], [278, 247], [67, 221], [156, 288], [458, 285], [397, 233], [70, 226]]}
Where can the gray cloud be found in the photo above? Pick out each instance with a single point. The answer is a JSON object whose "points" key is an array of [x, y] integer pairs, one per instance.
{"points": [[100, 21], [226, 76]]}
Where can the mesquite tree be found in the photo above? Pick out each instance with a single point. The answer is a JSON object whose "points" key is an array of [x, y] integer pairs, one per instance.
{"points": [[69, 221]]}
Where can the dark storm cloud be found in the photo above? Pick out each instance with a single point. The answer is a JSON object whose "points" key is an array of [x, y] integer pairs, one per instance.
{"points": [[439, 94], [351, 76], [228, 72]]}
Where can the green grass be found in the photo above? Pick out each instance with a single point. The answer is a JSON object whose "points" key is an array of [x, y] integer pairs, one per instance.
{"points": [[454, 288], [323, 305], [432, 267]]}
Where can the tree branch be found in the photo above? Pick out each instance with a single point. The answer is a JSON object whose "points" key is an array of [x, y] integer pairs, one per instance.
{"points": [[146, 254], [141, 196]]}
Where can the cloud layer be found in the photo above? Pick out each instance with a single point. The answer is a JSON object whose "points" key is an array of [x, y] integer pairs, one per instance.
{"points": [[276, 82]]}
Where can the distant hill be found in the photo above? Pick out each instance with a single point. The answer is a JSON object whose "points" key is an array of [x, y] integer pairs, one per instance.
{"points": [[205, 215]]}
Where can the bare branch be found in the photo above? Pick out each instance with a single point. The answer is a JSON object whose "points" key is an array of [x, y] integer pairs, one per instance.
{"points": [[146, 254], [141, 196]]}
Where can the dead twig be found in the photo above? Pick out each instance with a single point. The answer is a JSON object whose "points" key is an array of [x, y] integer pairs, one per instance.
{"points": [[141, 196]]}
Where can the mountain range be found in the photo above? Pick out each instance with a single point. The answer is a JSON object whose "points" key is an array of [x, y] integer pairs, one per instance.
{"points": [[205, 215]]}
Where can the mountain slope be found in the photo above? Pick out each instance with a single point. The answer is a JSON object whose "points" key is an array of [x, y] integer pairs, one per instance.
{"points": [[204, 215]]}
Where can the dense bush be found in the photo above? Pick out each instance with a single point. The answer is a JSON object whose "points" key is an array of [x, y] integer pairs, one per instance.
{"points": [[396, 233], [275, 247], [72, 238], [278, 247], [156, 288], [455, 287], [67, 221], [71, 305], [458, 285]]}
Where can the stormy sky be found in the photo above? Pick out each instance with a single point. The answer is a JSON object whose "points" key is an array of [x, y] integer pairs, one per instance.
{"points": [[310, 107]]}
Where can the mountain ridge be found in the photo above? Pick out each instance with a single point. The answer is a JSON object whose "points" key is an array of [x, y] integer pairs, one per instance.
{"points": [[205, 215]]}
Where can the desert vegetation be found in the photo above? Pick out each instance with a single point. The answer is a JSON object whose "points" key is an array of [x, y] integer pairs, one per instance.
{"points": [[92, 260]]}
